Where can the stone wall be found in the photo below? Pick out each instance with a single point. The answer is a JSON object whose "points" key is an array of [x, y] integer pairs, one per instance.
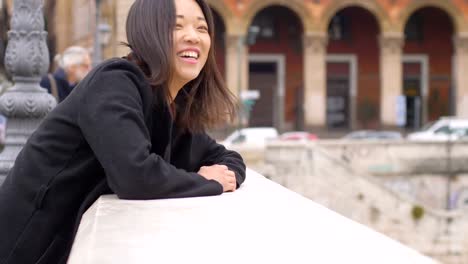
{"points": [[439, 191], [400, 157], [313, 172], [430, 172]]}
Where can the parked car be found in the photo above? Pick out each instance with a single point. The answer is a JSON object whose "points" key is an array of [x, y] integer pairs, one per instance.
{"points": [[252, 137], [373, 135], [445, 128], [298, 136]]}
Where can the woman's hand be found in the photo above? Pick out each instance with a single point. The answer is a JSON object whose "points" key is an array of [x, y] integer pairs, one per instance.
{"points": [[221, 174]]}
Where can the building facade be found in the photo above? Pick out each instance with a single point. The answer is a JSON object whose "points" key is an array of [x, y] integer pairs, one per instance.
{"points": [[328, 64]]}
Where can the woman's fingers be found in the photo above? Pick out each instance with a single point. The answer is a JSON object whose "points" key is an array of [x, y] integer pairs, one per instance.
{"points": [[222, 174], [224, 167]]}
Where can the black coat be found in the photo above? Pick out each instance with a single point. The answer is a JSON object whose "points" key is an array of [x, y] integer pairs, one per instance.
{"points": [[109, 136], [63, 87]]}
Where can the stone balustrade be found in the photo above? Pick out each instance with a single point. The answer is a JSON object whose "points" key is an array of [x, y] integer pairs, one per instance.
{"points": [[262, 222]]}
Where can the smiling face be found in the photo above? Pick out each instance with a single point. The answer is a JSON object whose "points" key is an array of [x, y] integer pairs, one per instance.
{"points": [[192, 44]]}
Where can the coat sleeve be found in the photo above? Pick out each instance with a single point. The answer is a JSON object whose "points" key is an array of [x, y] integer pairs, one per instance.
{"points": [[215, 153], [113, 123], [45, 83]]}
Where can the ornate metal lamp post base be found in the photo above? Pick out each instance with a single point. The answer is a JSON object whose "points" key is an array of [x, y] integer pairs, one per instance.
{"points": [[26, 58]]}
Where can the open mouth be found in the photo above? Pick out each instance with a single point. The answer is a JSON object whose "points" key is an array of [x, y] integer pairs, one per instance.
{"points": [[189, 55]]}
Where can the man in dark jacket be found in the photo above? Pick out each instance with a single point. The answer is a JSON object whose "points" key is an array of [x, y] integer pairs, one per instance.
{"points": [[74, 64]]}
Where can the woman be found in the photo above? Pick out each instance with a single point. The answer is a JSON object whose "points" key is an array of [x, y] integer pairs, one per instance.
{"points": [[133, 127]]}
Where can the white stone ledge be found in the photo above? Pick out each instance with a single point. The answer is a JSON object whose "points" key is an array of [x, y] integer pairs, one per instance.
{"points": [[262, 222]]}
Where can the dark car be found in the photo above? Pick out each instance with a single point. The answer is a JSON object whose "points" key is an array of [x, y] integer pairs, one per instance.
{"points": [[373, 134]]}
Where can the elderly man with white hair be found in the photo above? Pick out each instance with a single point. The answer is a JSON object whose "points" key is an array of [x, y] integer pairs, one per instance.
{"points": [[74, 64]]}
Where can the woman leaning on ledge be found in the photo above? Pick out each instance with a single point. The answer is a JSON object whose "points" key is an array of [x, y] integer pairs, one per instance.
{"points": [[134, 127]]}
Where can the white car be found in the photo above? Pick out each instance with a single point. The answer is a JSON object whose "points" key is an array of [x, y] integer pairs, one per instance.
{"points": [[443, 129], [251, 137]]}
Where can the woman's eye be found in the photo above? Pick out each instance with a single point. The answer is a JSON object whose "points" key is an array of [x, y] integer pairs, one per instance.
{"points": [[178, 26], [204, 28]]}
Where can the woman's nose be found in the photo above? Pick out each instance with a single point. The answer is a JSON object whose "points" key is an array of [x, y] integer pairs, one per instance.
{"points": [[191, 35]]}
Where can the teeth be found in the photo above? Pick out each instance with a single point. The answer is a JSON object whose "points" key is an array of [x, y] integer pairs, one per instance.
{"points": [[191, 54]]}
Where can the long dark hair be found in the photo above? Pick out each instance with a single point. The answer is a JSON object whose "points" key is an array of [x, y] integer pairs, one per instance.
{"points": [[207, 102]]}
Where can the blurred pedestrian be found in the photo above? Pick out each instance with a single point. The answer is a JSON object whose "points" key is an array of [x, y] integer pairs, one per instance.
{"points": [[73, 65], [3, 121]]}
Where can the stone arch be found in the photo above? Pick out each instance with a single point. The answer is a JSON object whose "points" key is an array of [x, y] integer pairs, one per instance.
{"points": [[372, 6], [447, 6], [297, 7], [226, 14]]}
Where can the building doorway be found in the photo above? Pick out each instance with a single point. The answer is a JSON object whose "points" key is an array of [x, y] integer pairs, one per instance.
{"points": [[341, 91], [266, 74], [415, 90]]}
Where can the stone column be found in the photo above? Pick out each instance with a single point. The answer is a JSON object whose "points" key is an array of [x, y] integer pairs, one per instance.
{"points": [[391, 76], [315, 87], [122, 8], [27, 60], [236, 63], [461, 74], [64, 22]]}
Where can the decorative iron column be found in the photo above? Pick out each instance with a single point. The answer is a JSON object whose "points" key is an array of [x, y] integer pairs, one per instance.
{"points": [[27, 60]]}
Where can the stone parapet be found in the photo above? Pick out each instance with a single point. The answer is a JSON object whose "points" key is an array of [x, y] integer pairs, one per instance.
{"points": [[265, 222], [327, 178]]}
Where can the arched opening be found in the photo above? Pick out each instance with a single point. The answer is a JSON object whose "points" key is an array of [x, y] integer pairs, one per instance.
{"points": [[219, 42], [353, 74], [276, 68], [427, 66]]}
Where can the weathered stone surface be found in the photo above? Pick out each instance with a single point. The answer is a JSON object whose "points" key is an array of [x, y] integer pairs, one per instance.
{"points": [[261, 222], [345, 187]]}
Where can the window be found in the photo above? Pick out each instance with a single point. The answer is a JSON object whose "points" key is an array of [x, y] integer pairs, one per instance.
{"points": [[414, 28], [443, 130], [239, 139], [339, 28], [460, 131], [266, 26]]}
